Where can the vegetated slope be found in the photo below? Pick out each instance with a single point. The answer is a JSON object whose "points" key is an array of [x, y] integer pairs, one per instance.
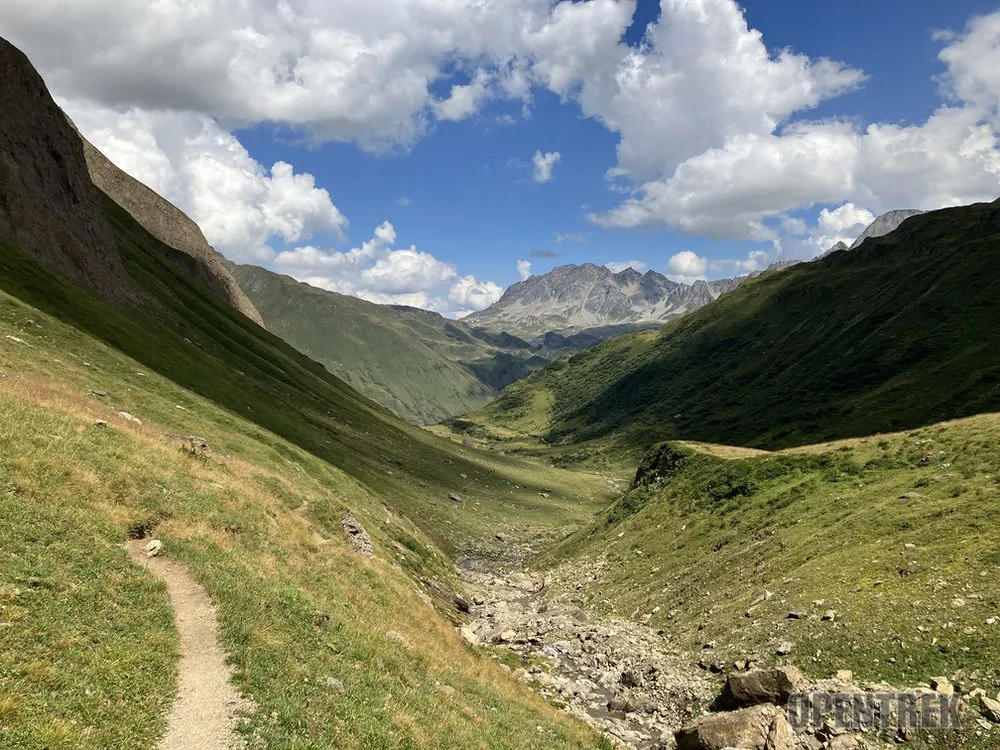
{"points": [[904, 331], [877, 555], [170, 225], [419, 364], [335, 649]]}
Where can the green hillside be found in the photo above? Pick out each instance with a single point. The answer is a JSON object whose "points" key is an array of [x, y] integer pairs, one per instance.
{"points": [[88, 652], [902, 332], [419, 364]]}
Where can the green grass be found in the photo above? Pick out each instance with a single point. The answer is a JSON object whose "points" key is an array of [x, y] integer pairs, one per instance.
{"points": [[706, 531], [87, 647], [902, 332], [416, 363]]}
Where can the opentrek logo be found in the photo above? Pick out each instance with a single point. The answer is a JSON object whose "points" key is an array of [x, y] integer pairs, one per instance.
{"points": [[856, 712]]}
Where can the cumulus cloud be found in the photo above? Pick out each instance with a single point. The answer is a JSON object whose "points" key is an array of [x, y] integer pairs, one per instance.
{"points": [[464, 100], [751, 165], [379, 272], [619, 266], [686, 267], [544, 164], [524, 269], [239, 204]]}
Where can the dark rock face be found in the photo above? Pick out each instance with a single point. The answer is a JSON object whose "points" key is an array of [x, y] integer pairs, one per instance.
{"points": [[48, 205], [570, 299], [171, 226]]}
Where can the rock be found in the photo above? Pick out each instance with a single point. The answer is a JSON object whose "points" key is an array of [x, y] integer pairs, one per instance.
{"points": [[763, 686], [796, 614], [195, 444], [469, 635], [630, 679], [628, 703], [97, 394], [508, 636], [842, 742], [478, 600], [129, 418], [100, 423], [780, 735], [454, 497], [334, 684], [990, 709], [942, 685], [783, 649], [153, 548], [829, 616], [845, 675], [746, 729], [357, 536], [499, 537], [461, 603]]}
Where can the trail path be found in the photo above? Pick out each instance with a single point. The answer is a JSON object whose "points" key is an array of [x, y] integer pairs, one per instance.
{"points": [[203, 716]]}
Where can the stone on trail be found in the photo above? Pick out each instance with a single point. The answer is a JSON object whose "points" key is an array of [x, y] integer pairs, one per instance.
{"points": [[153, 548], [756, 728]]}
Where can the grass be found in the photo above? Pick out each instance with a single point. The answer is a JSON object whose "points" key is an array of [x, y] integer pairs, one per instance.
{"points": [[896, 533], [901, 333], [418, 364], [88, 654]]}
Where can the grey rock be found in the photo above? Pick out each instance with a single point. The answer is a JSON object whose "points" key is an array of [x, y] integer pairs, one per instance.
{"points": [[990, 709], [885, 224], [357, 536], [747, 729], [153, 548], [763, 686]]}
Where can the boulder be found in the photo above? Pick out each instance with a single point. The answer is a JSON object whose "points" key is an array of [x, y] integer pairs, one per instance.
{"points": [[357, 536], [755, 728], [990, 709], [762, 686], [153, 548]]}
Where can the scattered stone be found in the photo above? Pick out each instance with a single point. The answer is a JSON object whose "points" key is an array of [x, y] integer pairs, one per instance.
{"points": [[100, 423], [196, 444], [910, 496], [454, 497], [990, 709], [508, 636], [357, 536], [478, 600], [129, 418], [784, 649], [630, 679], [763, 686], [796, 614], [909, 546], [845, 675], [334, 684], [747, 728], [461, 603], [96, 394], [499, 537], [153, 548], [469, 635], [942, 685], [829, 616]]}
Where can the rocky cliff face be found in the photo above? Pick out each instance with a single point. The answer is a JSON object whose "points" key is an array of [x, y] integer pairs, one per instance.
{"points": [[571, 298], [884, 224], [48, 205], [169, 225]]}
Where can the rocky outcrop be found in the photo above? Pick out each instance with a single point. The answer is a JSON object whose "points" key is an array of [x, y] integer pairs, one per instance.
{"points": [[171, 226], [884, 224], [571, 299], [763, 686], [49, 207]]}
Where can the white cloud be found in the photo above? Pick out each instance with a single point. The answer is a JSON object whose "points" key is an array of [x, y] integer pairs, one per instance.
{"points": [[619, 266], [544, 164], [403, 201], [465, 100], [686, 267], [239, 204], [524, 269], [470, 294], [754, 167], [575, 239], [378, 272]]}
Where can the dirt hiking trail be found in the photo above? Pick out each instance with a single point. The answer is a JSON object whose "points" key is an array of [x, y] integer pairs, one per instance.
{"points": [[203, 716]]}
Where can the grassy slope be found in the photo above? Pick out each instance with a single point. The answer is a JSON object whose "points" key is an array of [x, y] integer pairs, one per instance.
{"points": [[86, 657], [899, 333], [710, 529], [418, 364]]}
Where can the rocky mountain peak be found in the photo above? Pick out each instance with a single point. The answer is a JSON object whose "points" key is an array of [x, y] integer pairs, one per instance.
{"points": [[884, 224]]}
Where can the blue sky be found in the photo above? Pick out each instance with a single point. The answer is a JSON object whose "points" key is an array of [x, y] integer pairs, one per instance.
{"points": [[729, 153]]}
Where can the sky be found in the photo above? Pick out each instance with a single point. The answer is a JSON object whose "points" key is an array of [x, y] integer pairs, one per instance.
{"points": [[432, 152]]}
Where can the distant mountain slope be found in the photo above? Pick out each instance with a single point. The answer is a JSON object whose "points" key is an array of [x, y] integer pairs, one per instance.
{"points": [[170, 226], [886, 223], [419, 364], [903, 331], [570, 299]]}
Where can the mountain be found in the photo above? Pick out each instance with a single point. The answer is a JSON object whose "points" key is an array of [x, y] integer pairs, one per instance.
{"points": [[901, 332], [884, 224], [574, 298], [134, 401], [839, 247], [169, 225], [416, 363]]}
